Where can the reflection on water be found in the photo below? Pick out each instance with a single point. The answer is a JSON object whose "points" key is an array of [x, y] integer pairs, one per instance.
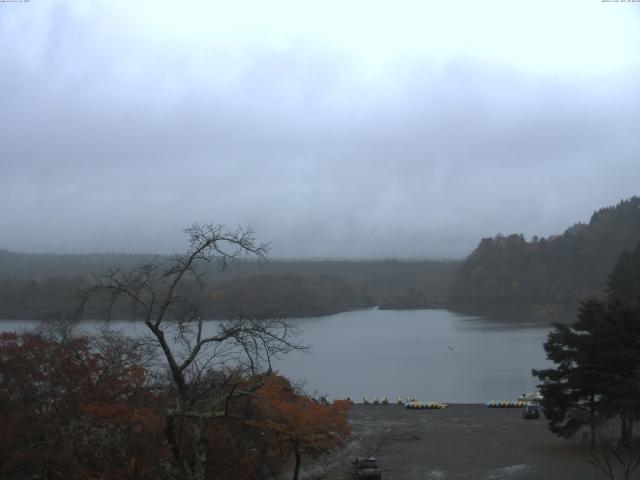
{"points": [[429, 354]]}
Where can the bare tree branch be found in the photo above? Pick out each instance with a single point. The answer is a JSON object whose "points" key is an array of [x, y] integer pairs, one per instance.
{"points": [[167, 295]]}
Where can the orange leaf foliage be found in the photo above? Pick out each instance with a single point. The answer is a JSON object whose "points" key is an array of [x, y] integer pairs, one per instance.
{"points": [[313, 427]]}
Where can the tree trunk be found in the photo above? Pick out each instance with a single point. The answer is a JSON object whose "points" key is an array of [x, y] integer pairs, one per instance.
{"points": [[625, 429], [199, 469], [594, 422], [296, 453], [182, 470]]}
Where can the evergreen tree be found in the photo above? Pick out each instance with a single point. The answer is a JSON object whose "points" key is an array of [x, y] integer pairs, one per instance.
{"points": [[572, 392], [597, 373], [619, 338]]}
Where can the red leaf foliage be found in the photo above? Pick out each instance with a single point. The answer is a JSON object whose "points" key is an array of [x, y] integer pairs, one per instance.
{"points": [[87, 409], [69, 411]]}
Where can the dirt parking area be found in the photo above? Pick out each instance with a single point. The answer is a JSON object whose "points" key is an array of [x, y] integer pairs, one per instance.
{"points": [[461, 442]]}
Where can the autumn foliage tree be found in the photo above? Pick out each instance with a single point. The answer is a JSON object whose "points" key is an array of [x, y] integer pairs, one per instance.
{"points": [[300, 424], [92, 407], [82, 408]]}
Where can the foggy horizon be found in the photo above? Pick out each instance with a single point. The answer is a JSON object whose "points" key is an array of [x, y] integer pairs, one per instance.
{"points": [[270, 257], [354, 130]]}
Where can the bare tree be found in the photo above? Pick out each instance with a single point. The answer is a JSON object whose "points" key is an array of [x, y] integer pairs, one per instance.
{"points": [[612, 457], [208, 367]]}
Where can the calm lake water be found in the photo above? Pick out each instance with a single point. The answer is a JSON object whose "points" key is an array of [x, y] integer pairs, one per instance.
{"points": [[434, 355]]}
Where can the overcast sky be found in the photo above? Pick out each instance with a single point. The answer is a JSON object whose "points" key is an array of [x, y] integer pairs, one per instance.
{"points": [[336, 128]]}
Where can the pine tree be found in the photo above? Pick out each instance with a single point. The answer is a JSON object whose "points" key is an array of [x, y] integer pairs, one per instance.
{"points": [[597, 373], [572, 392]]}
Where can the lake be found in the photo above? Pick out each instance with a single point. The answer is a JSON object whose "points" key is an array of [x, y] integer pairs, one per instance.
{"points": [[434, 355]]}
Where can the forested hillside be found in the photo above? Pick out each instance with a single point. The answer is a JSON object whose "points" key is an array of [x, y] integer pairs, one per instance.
{"points": [[546, 275]]}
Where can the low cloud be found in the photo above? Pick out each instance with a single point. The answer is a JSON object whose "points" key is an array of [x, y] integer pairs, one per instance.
{"points": [[104, 150]]}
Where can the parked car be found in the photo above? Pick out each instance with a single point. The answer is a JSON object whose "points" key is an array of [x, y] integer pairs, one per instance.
{"points": [[366, 468], [531, 411]]}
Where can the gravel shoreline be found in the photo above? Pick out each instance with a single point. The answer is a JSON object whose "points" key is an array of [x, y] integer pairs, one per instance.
{"points": [[464, 441]]}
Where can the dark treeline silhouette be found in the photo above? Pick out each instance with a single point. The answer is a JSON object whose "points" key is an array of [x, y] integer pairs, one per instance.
{"points": [[37, 286], [546, 275]]}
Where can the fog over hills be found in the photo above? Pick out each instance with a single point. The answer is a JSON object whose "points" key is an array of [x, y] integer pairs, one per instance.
{"points": [[399, 132]]}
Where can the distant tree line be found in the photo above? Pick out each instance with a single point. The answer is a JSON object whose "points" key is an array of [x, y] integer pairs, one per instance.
{"points": [[288, 295], [41, 286]]}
